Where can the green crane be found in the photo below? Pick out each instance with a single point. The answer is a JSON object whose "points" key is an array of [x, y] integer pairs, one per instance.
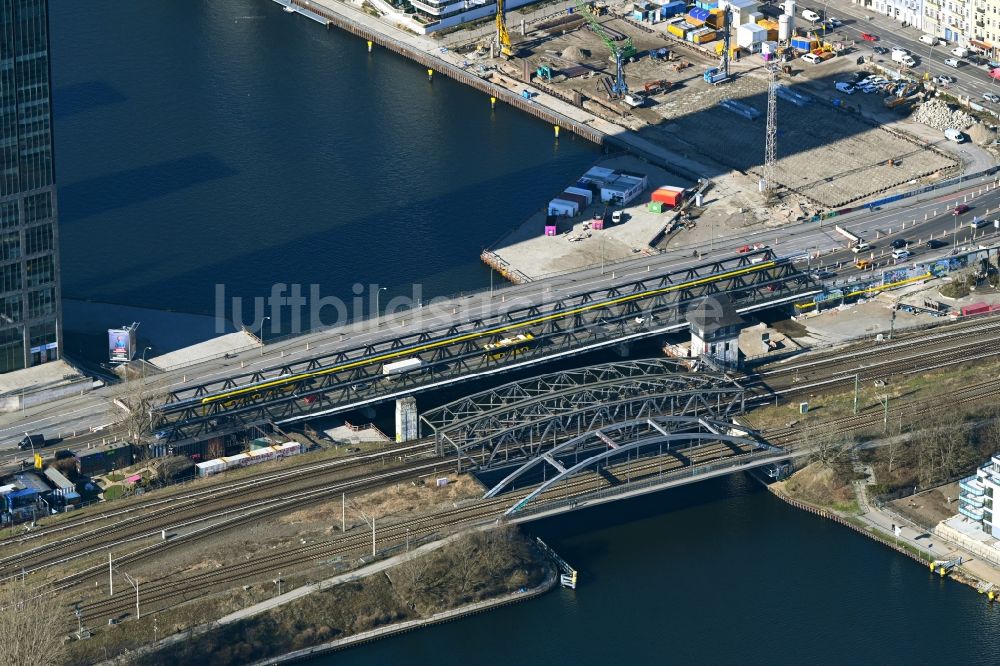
{"points": [[620, 53]]}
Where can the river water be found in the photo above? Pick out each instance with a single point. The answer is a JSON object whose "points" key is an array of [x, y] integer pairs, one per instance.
{"points": [[225, 142]]}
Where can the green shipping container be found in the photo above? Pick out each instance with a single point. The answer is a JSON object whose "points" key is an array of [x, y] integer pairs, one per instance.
{"points": [[655, 207]]}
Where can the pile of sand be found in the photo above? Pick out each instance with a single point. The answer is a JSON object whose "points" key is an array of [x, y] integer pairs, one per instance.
{"points": [[574, 54], [980, 134]]}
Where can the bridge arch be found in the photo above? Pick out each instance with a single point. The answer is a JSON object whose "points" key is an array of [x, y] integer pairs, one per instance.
{"points": [[623, 438]]}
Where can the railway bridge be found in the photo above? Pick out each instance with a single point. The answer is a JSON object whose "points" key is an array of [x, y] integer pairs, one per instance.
{"points": [[557, 325], [564, 440]]}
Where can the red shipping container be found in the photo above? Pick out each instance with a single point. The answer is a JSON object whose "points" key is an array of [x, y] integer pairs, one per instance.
{"points": [[668, 197], [577, 198], [974, 309]]}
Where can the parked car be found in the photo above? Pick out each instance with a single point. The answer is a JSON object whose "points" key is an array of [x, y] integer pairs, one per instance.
{"points": [[960, 52], [868, 37], [846, 88], [812, 58], [898, 244]]}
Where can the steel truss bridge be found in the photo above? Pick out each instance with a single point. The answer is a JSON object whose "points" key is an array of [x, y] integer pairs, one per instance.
{"points": [[631, 457], [522, 419], [507, 339]]}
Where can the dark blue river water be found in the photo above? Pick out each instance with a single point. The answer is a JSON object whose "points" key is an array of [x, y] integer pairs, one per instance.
{"points": [[225, 142], [228, 143]]}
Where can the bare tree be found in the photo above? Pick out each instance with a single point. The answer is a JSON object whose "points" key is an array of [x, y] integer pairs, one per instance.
{"points": [[825, 446], [30, 633], [133, 403], [413, 579]]}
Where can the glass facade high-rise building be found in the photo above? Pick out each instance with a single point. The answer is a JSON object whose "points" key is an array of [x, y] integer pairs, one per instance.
{"points": [[30, 310]]}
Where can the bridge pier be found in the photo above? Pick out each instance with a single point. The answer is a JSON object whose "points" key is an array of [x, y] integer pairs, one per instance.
{"points": [[406, 419]]}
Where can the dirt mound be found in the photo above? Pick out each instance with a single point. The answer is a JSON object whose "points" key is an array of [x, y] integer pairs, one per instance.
{"points": [[819, 484], [980, 134], [575, 54]]}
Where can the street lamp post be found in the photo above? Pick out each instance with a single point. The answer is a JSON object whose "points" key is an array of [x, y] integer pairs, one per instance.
{"points": [[378, 309], [144, 361], [262, 335]]}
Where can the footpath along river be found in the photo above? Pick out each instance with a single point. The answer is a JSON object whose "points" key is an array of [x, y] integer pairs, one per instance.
{"points": [[225, 142]]}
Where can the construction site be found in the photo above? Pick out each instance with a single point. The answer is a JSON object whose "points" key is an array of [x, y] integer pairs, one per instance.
{"points": [[692, 99], [747, 102]]}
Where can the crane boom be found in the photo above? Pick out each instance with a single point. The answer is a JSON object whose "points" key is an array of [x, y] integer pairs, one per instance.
{"points": [[620, 54]]}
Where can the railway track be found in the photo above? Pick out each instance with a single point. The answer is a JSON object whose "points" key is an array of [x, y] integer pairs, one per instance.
{"points": [[171, 592], [250, 498], [956, 344], [789, 436]]}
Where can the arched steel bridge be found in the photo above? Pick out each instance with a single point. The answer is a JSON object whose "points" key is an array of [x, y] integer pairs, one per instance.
{"points": [[694, 448], [520, 419]]}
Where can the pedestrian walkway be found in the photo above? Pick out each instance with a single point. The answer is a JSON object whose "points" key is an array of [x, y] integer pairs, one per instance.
{"points": [[904, 531]]}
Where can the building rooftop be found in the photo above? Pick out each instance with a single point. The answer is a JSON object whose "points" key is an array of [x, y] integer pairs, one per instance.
{"points": [[39, 377], [56, 477], [712, 313], [30, 481]]}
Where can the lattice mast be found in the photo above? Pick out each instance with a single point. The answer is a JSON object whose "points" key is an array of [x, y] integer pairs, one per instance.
{"points": [[768, 185]]}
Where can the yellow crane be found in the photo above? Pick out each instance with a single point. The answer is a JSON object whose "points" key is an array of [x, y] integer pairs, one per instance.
{"points": [[503, 37]]}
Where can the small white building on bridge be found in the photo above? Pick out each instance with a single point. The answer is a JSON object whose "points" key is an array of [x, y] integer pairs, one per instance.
{"points": [[715, 330]]}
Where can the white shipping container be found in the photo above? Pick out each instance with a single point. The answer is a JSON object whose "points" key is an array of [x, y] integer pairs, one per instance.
{"points": [[210, 467], [750, 34], [232, 462], [401, 366], [262, 455], [289, 449], [563, 207]]}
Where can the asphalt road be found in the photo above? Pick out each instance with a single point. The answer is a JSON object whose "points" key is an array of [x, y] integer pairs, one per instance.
{"points": [[96, 410], [973, 80]]}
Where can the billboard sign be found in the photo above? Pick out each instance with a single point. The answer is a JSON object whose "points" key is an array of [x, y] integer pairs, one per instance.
{"points": [[121, 344]]}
